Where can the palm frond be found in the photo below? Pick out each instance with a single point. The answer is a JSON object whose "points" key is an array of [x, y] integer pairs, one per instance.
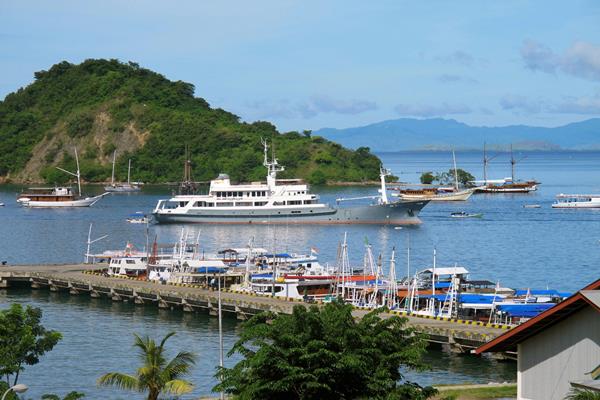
{"points": [[178, 386], [180, 364], [121, 381], [162, 343]]}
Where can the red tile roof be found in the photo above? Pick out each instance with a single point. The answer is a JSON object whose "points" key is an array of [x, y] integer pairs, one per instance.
{"points": [[509, 340]]}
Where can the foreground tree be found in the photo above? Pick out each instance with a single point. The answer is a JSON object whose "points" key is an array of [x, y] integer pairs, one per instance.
{"points": [[69, 396], [156, 375], [324, 353], [23, 340]]}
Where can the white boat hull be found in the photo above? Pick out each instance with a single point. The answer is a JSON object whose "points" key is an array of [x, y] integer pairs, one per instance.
{"points": [[87, 202], [577, 201]]}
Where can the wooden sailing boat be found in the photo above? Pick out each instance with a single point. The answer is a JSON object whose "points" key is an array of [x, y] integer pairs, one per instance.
{"points": [[506, 185], [121, 187], [58, 196], [434, 194]]}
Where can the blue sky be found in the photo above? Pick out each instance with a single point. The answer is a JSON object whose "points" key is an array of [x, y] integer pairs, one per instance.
{"points": [[313, 64]]}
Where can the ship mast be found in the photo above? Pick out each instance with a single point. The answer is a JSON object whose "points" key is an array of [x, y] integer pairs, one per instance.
{"points": [[112, 177], [455, 171], [129, 171], [273, 166], [514, 162], [77, 175]]}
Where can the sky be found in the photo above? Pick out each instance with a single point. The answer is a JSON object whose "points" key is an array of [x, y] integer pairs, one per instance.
{"points": [[340, 63]]}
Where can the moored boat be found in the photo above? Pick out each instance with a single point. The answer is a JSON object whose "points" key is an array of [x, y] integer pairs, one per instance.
{"points": [[51, 197], [463, 214], [118, 187], [577, 201], [438, 193], [281, 201]]}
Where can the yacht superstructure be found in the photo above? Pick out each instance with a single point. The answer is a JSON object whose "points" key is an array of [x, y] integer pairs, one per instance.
{"points": [[280, 201]]}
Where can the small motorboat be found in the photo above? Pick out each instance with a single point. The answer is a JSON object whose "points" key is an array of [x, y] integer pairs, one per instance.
{"points": [[1, 204], [462, 214], [138, 218], [532, 206]]}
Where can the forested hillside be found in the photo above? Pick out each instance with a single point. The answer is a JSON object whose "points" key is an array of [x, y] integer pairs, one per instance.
{"points": [[100, 106]]}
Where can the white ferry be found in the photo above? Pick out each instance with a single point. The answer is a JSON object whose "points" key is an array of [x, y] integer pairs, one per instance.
{"points": [[281, 201], [577, 201]]}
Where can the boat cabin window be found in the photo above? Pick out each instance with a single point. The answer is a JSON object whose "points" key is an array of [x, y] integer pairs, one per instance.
{"points": [[294, 202], [130, 261], [200, 204], [243, 203], [260, 203], [225, 204], [308, 202], [279, 203]]}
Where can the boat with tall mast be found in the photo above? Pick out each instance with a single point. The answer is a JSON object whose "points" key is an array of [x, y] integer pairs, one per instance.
{"points": [[435, 194], [118, 187], [281, 201], [58, 196], [506, 185]]}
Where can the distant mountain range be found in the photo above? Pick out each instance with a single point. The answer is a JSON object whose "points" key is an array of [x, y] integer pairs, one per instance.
{"points": [[444, 134]]}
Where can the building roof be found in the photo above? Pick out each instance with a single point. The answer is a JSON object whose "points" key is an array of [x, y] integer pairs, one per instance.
{"points": [[588, 296]]}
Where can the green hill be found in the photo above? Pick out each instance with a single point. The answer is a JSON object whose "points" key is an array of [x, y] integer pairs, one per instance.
{"points": [[102, 105]]}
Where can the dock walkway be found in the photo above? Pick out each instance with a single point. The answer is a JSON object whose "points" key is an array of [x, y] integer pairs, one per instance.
{"points": [[77, 279]]}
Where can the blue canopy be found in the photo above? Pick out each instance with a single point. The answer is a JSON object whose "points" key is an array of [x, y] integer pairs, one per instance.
{"points": [[465, 298], [527, 310], [542, 292], [278, 255], [210, 270]]}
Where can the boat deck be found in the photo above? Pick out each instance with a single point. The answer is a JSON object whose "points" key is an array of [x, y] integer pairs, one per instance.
{"points": [[78, 279]]}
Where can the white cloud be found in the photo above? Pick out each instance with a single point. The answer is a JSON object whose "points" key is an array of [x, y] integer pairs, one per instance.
{"points": [[431, 110], [581, 59], [315, 105], [584, 105], [449, 78], [457, 57]]}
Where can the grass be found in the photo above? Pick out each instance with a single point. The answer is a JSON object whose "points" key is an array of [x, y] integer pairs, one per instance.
{"points": [[476, 392]]}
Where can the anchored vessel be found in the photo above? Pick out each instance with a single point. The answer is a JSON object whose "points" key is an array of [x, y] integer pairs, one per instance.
{"points": [[438, 194], [281, 201], [121, 187], [577, 201], [58, 196], [506, 185]]}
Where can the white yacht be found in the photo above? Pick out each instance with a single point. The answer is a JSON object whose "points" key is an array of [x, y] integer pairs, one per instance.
{"points": [[283, 201], [577, 201]]}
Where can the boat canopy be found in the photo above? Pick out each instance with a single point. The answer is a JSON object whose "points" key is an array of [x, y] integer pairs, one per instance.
{"points": [[466, 298], [542, 292], [525, 310], [448, 271], [210, 270]]}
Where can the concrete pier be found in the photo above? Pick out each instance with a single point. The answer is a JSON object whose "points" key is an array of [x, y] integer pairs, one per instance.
{"points": [[460, 336]]}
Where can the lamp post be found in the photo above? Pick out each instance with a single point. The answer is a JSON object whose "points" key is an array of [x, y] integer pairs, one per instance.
{"points": [[18, 388]]}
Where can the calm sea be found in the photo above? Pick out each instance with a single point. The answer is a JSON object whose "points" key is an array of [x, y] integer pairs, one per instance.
{"points": [[520, 247]]}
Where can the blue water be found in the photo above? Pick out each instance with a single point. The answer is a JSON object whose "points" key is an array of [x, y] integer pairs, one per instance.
{"points": [[519, 247]]}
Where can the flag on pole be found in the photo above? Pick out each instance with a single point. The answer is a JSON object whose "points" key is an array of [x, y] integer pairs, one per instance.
{"points": [[314, 250]]}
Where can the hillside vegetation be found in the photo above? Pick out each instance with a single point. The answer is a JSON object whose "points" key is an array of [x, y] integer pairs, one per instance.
{"points": [[100, 106]]}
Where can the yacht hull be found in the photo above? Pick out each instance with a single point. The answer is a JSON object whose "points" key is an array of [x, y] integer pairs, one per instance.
{"points": [[87, 202], [395, 213]]}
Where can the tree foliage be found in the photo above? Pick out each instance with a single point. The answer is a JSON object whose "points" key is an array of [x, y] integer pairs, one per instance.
{"points": [[427, 178], [69, 396], [156, 375], [23, 340], [447, 178], [324, 353], [72, 99]]}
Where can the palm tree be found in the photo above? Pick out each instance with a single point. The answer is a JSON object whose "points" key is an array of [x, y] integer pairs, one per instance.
{"points": [[156, 375]]}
